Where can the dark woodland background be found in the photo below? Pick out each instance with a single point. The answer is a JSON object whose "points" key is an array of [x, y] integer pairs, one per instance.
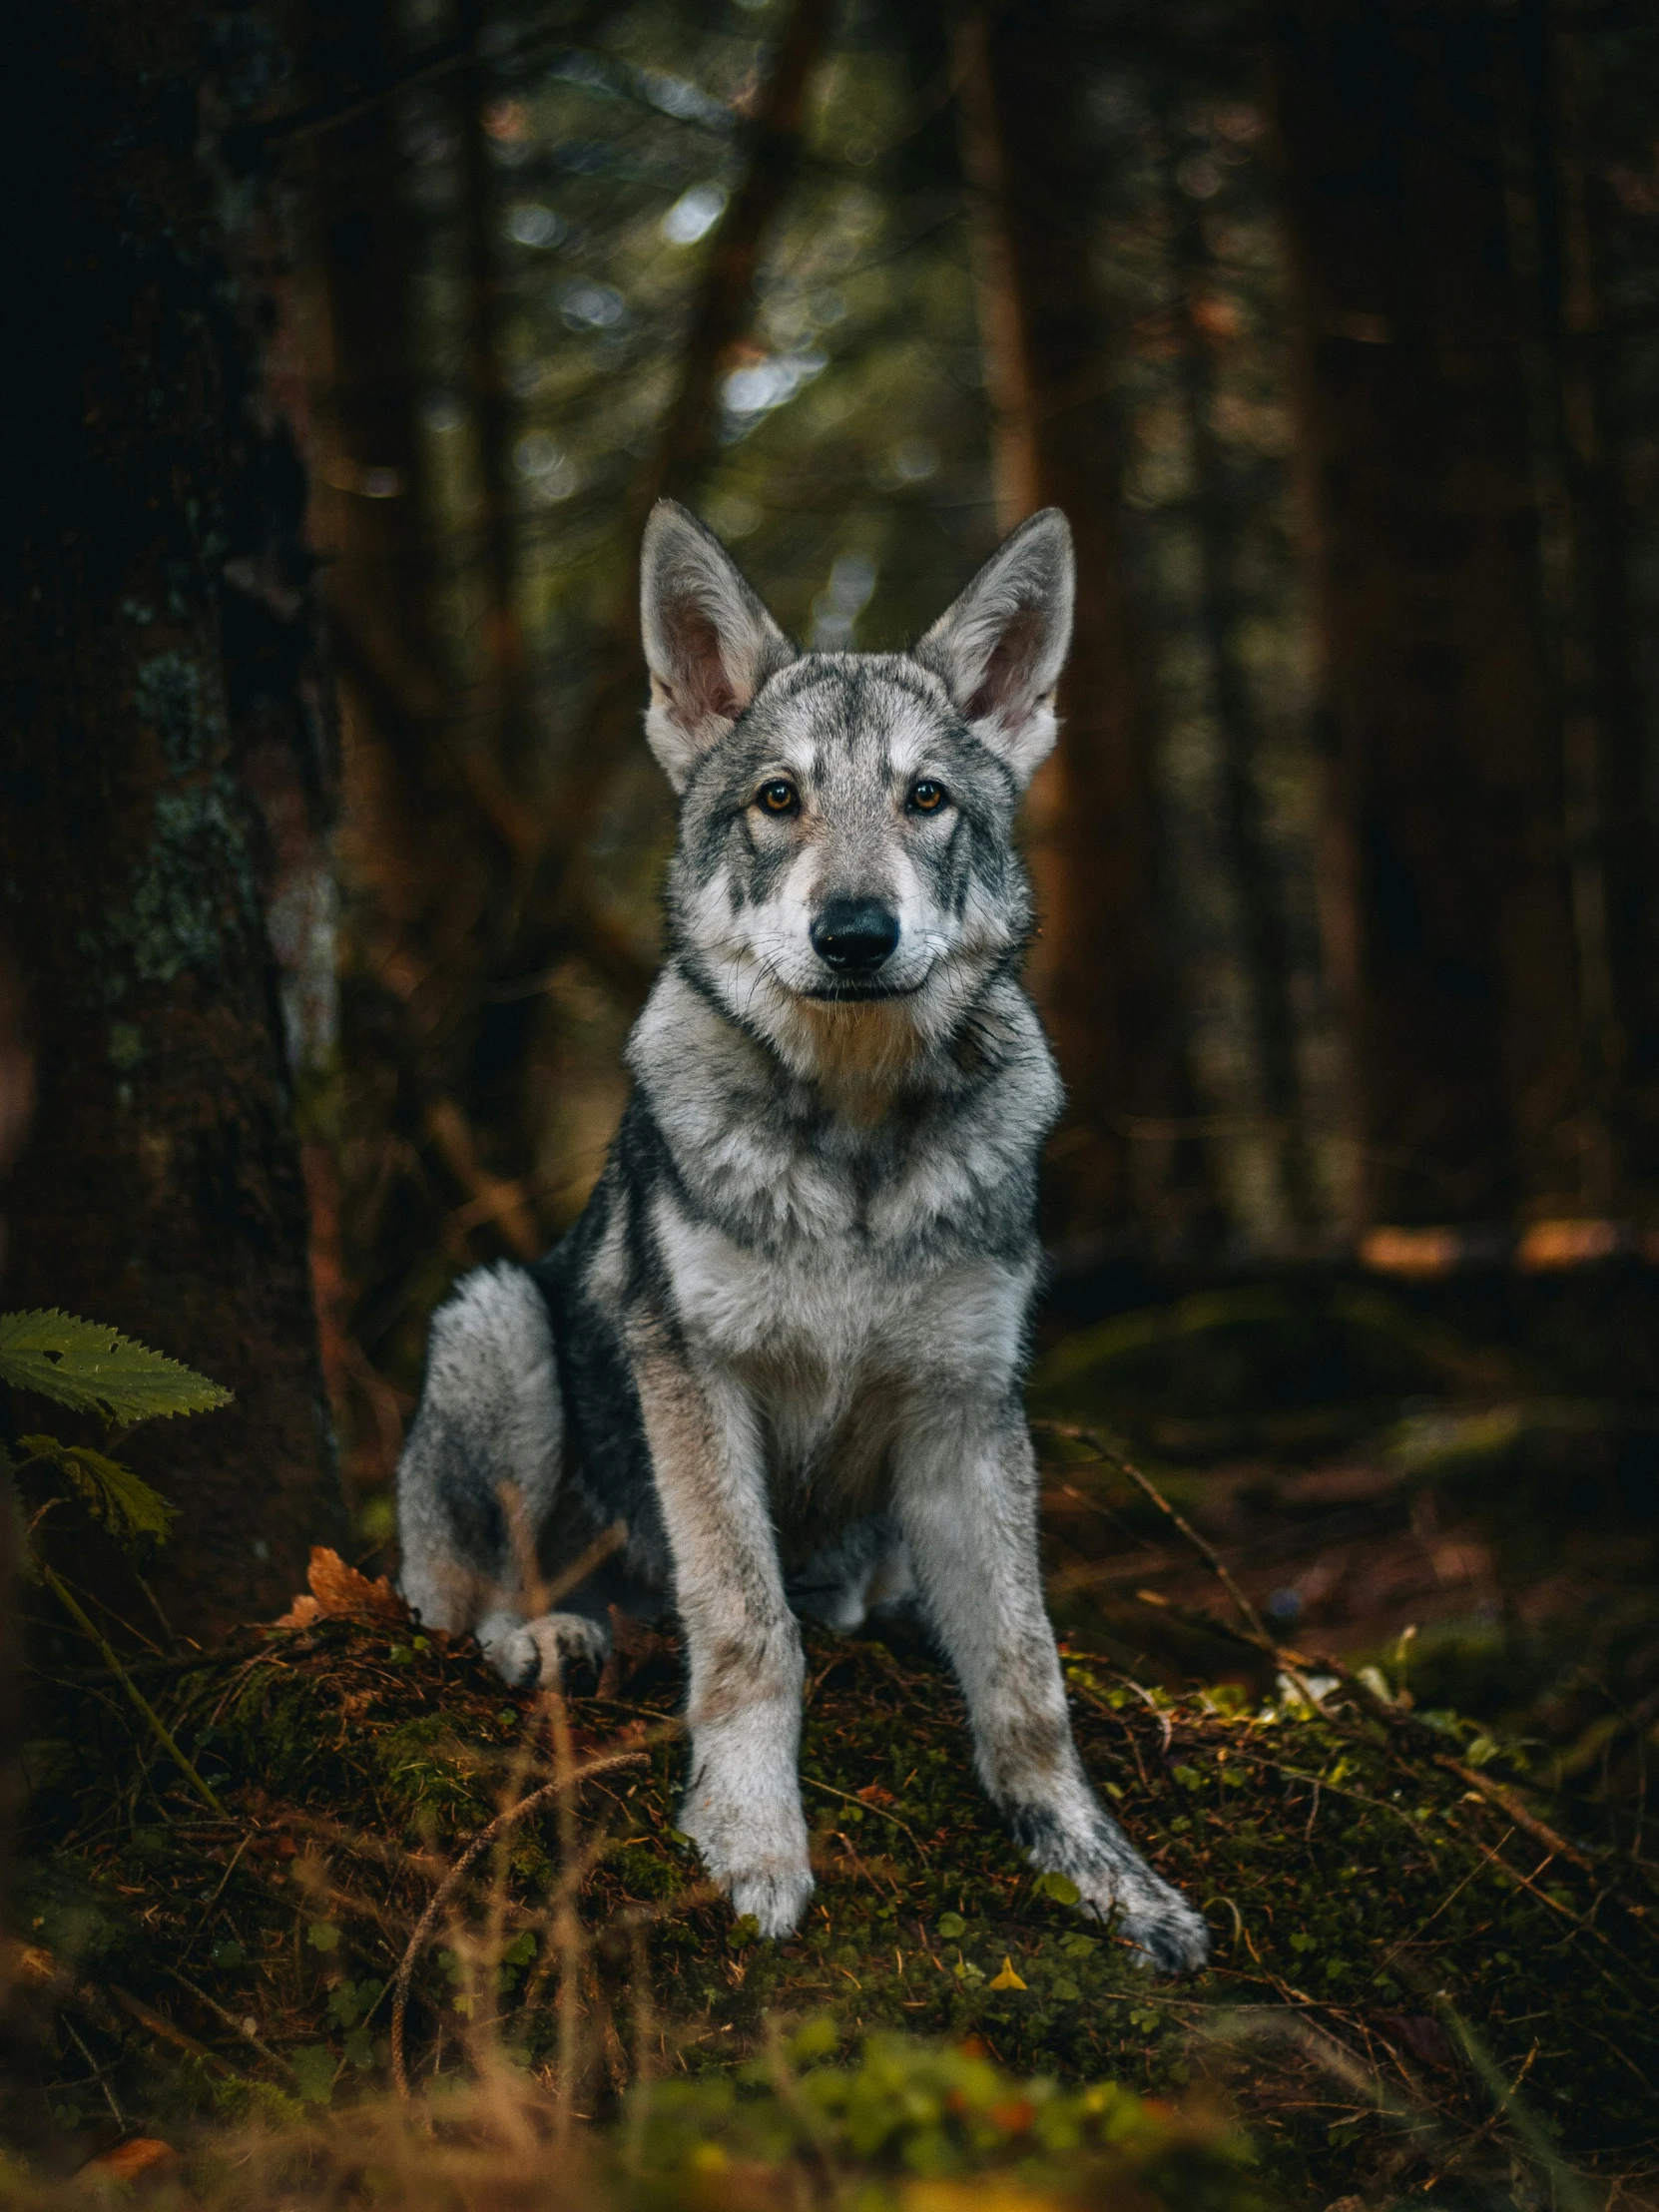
{"points": [[352, 347]]}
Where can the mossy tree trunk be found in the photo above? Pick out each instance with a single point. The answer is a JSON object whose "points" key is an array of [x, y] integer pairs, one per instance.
{"points": [[1438, 694], [428, 833], [164, 745]]}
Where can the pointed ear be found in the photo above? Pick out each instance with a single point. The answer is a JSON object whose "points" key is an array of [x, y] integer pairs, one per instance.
{"points": [[1000, 646], [708, 643]]}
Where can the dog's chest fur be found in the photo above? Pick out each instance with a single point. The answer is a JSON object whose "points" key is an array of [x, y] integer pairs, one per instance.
{"points": [[844, 1269]]}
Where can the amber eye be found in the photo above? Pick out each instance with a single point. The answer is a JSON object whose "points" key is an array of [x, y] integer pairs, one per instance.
{"points": [[926, 796], [780, 797]]}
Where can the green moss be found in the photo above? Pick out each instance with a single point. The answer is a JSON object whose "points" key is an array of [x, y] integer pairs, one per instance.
{"points": [[171, 693], [1363, 1899]]}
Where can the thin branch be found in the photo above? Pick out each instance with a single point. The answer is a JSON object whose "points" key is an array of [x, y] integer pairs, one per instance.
{"points": [[457, 1874], [77, 1615], [1201, 1544]]}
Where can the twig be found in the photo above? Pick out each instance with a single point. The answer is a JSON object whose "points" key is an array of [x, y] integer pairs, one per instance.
{"points": [[813, 1783], [503, 1201], [231, 2021], [1201, 1544], [457, 1874], [99, 2074], [1507, 1802], [77, 1615], [159, 2025]]}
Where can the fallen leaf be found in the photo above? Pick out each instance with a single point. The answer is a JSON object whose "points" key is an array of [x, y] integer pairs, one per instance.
{"points": [[140, 2154], [34, 1963], [339, 1592], [1007, 1979], [1016, 2115]]}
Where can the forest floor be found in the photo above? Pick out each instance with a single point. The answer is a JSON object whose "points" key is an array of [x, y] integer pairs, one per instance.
{"points": [[1417, 1829]]}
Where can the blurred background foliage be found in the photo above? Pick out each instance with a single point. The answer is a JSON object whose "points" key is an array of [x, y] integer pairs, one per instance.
{"points": [[863, 285]]}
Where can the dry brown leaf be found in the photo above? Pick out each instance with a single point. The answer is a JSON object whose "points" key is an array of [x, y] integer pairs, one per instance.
{"points": [[140, 2154], [33, 1963], [339, 1592]]}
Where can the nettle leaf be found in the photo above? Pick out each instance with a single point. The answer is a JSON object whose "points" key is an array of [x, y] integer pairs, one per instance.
{"points": [[119, 1500], [95, 1369]]}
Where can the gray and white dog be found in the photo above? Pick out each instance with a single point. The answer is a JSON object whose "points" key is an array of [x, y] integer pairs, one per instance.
{"points": [[782, 1350]]}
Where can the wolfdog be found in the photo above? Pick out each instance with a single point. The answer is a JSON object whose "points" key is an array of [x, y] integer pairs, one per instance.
{"points": [[780, 1355]]}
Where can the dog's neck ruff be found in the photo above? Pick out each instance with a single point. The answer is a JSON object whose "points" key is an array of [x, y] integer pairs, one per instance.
{"points": [[938, 1170], [857, 1059]]}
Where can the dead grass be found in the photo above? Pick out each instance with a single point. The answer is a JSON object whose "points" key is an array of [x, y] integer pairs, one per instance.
{"points": [[1419, 1985]]}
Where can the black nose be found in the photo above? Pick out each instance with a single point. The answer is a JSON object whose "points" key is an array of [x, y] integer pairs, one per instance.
{"points": [[855, 934]]}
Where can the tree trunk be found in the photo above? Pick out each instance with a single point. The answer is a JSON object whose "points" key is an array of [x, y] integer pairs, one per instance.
{"points": [[1438, 688], [17, 1099], [1258, 891], [503, 723], [424, 853], [156, 635], [1607, 817], [1095, 969]]}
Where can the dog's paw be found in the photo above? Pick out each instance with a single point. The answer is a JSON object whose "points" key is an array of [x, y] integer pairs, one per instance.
{"points": [[545, 1650], [755, 1852], [1115, 1883], [774, 1898], [1170, 1935]]}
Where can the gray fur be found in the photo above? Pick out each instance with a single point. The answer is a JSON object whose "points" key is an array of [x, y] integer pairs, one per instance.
{"points": [[780, 1354]]}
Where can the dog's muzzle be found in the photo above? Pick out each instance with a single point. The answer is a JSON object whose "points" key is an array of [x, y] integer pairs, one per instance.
{"points": [[854, 937]]}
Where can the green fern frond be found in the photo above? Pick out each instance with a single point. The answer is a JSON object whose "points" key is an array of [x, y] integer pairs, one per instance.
{"points": [[118, 1499], [95, 1369]]}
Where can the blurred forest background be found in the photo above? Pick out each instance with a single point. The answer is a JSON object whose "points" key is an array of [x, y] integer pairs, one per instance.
{"points": [[331, 847]]}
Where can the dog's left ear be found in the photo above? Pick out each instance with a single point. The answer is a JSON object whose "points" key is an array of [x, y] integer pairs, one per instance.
{"points": [[708, 642], [1000, 646]]}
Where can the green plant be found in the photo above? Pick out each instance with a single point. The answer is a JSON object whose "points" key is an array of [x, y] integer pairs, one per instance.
{"points": [[95, 1369], [91, 1368]]}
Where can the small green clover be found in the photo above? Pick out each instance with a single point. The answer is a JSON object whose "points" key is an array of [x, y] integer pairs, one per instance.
{"points": [[313, 2072]]}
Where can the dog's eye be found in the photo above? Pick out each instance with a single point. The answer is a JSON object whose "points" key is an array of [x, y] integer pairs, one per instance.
{"points": [[926, 796], [780, 797]]}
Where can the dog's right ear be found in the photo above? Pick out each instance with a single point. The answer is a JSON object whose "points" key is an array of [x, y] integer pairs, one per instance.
{"points": [[708, 642], [1001, 645]]}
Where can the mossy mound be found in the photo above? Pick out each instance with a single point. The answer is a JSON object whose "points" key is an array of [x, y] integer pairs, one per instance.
{"points": [[1415, 1979]]}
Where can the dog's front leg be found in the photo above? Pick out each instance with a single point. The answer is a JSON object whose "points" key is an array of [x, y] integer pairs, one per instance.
{"points": [[743, 1801], [965, 1493]]}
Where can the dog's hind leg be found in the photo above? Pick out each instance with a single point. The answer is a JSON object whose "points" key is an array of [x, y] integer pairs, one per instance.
{"points": [[965, 1494], [479, 1478]]}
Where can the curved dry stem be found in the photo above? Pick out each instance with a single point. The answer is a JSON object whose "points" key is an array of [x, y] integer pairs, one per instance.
{"points": [[457, 1874]]}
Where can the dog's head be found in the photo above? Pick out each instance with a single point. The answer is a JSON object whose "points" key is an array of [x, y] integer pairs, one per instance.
{"points": [[845, 877]]}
